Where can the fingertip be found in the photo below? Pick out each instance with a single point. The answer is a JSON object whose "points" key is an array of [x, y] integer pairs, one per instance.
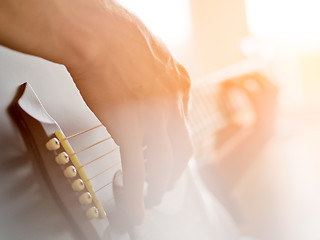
{"points": [[154, 196], [131, 205], [181, 144], [137, 214]]}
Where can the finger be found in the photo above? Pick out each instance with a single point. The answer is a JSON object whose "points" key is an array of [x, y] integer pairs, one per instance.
{"points": [[254, 82], [179, 138], [264, 81], [127, 134], [223, 99], [176, 76], [158, 154], [184, 86], [257, 86]]}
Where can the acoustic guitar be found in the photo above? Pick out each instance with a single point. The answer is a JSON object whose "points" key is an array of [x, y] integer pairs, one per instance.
{"points": [[58, 162]]}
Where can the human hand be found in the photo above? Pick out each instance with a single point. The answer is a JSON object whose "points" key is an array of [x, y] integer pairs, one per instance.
{"points": [[248, 125], [263, 95], [248, 103], [140, 93], [257, 108], [126, 76]]}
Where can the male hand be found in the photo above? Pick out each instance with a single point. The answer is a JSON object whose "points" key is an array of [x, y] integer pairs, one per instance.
{"points": [[126, 76], [140, 93]]}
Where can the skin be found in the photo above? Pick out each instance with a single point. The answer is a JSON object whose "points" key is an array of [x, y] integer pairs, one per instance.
{"points": [[231, 165], [126, 76]]}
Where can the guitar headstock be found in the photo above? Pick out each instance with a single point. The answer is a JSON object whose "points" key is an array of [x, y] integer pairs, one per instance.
{"points": [[80, 181]]}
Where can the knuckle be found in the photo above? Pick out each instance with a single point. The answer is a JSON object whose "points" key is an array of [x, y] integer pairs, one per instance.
{"points": [[185, 77]]}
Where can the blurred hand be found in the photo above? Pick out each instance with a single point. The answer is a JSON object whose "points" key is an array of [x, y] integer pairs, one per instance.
{"points": [[240, 140], [244, 139], [126, 76], [140, 93]]}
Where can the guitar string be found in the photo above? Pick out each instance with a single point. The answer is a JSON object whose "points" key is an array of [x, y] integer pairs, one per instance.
{"points": [[210, 119], [82, 132], [107, 184], [90, 146], [104, 186], [103, 171], [97, 158], [107, 169], [81, 150], [90, 162]]}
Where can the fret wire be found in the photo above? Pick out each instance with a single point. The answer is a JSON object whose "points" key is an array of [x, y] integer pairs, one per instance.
{"points": [[103, 171], [103, 187], [105, 154], [79, 133], [205, 107], [86, 148]]}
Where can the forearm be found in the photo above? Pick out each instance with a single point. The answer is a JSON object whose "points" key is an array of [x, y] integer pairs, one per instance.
{"points": [[57, 30]]}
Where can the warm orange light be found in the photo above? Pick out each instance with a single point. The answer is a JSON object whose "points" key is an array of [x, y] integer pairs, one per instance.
{"points": [[170, 20], [295, 22]]}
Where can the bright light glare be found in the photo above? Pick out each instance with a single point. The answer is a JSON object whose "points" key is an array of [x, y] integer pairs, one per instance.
{"points": [[168, 19], [295, 22]]}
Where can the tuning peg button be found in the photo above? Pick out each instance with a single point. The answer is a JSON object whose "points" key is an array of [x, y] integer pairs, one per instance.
{"points": [[77, 185], [62, 158], [70, 172], [85, 198], [92, 213], [53, 144]]}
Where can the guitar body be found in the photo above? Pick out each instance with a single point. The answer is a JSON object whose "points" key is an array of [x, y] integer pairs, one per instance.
{"points": [[28, 209]]}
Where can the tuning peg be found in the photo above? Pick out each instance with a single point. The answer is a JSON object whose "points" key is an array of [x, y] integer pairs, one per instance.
{"points": [[85, 198], [92, 213], [77, 185], [53, 144], [62, 158], [70, 172]]}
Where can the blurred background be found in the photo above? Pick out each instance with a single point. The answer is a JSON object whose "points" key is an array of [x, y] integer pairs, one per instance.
{"points": [[278, 196]]}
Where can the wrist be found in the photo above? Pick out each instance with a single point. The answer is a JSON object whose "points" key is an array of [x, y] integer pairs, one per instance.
{"points": [[79, 32]]}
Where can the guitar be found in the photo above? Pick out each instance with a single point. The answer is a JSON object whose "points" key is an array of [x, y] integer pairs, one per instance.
{"points": [[41, 200]]}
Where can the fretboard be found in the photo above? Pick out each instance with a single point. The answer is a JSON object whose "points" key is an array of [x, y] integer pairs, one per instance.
{"points": [[218, 102]]}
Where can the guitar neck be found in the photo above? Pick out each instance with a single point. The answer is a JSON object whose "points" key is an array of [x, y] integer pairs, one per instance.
{"points": [[216, 104]]}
